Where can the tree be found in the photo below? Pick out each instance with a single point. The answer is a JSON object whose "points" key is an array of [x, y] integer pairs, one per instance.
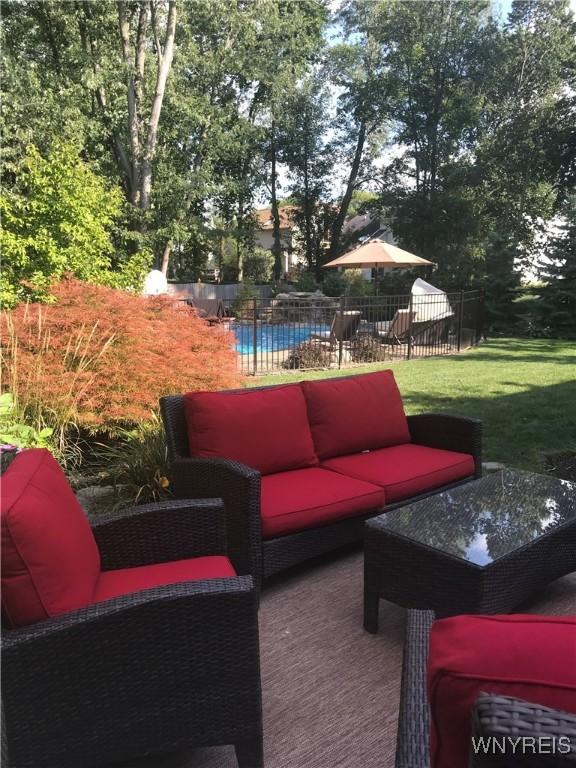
{"points": [[60, 218], [437, 56], [523, 153], [559, 296], [306, 154], [293, 42], [106, 65], [359, 72]]}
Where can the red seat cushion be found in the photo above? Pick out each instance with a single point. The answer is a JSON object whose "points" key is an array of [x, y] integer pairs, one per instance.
{"points": [[358, 413], [127, 580], [405, 470], [307, 498], [50, 560], [266, 429], [527, 657]]}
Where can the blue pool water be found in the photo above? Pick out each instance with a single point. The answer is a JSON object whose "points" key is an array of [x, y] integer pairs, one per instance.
{"points": [[270, 338]]}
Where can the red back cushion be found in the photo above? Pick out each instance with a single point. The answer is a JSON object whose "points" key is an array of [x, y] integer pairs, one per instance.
{"points": [[360, 413], [266, 429], [50, 561], [524, 656]]}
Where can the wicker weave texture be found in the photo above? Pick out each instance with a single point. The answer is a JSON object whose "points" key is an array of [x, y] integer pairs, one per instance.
{"points": [[159, 670], [414, 715], [416, 575], [239, 487]]}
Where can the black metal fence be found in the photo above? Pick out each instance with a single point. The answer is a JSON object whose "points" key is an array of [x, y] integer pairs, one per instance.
{"points": [[302, 330]]}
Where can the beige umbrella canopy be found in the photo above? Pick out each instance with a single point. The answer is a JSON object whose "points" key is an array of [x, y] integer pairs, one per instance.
{"points": [[377, 254]]}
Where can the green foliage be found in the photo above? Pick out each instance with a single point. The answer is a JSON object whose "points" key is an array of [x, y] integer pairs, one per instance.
{"points": [[479, 116], [135, 463], [558, 310], [243, 305], [59, 218], [349, 282], [306, 152], [334, 283], [355, 283], [361, 201], [14, 431], [258, 265], [305, 281], [501, 284], [280, 287]]}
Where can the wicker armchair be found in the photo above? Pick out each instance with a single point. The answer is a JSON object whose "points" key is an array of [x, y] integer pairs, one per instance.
{"points": [[492, 716], [239, 487], [163, 669]]}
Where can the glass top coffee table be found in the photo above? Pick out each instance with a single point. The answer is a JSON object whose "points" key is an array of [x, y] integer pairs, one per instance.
{"points": [[482, 547]]}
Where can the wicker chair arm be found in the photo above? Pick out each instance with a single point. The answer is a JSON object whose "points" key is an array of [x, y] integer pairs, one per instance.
{"points": [[239, 488], [89, 618], [413, 742], [450, 432], [148, 656], [157, 533], [543, 736]]}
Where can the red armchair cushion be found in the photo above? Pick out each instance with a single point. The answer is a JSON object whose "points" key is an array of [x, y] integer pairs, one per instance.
{"points": [[127, 580], [527, 657], [307, 498], [405, 470], [359, 413], [50, 561], [266, 429]]}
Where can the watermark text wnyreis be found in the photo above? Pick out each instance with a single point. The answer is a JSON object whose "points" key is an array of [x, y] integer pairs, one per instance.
{"points": [[521, 745]]}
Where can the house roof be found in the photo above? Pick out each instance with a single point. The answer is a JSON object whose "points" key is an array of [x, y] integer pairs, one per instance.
{"points": [[264, 217]]}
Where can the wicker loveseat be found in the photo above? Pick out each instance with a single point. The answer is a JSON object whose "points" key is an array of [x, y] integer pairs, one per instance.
{"points": [[301, 466], [128, 638], [488, 692]]}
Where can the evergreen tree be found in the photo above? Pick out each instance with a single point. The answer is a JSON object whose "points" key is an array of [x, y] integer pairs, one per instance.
{"points": [[559, 296]]}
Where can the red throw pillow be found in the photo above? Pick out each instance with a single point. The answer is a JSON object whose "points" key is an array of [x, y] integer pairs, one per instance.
{"points": [[266, 429], [357, 413], [50, 560], [527, 657]]}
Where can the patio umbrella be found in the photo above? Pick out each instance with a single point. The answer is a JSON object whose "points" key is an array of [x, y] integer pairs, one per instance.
{"points": [[376, 254]]}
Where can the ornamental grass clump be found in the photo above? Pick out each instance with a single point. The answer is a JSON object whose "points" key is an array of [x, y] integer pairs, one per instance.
{"points": [[96, 360]]}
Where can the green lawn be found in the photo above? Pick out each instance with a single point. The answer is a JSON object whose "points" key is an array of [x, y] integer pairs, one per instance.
{"points": [[524, 390]]}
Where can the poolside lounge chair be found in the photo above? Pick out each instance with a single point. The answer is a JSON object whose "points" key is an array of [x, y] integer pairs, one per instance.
{"points": [[344, 327], [398, 329]]}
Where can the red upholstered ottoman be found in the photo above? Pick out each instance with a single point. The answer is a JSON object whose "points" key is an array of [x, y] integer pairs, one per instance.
{"points": [[527, 657]]}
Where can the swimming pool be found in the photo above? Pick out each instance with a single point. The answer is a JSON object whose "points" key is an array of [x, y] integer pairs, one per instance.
{"points": [[270, 338]]}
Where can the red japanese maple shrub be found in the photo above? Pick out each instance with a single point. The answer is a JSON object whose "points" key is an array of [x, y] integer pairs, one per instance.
{"points": [[99, 358]]}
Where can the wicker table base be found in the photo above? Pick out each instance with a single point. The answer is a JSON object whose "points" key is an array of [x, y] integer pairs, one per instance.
{"points": [[481, 548]]}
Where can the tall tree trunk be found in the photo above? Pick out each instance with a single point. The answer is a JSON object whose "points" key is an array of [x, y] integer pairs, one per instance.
{"points": [[166, 253], [134, 73], [308, 210], [277, 244], [165, 56], [85, 20], [239, 236], [344, 205]]}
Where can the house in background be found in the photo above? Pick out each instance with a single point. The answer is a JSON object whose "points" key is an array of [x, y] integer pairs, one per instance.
{"points": [[356, 230]]}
